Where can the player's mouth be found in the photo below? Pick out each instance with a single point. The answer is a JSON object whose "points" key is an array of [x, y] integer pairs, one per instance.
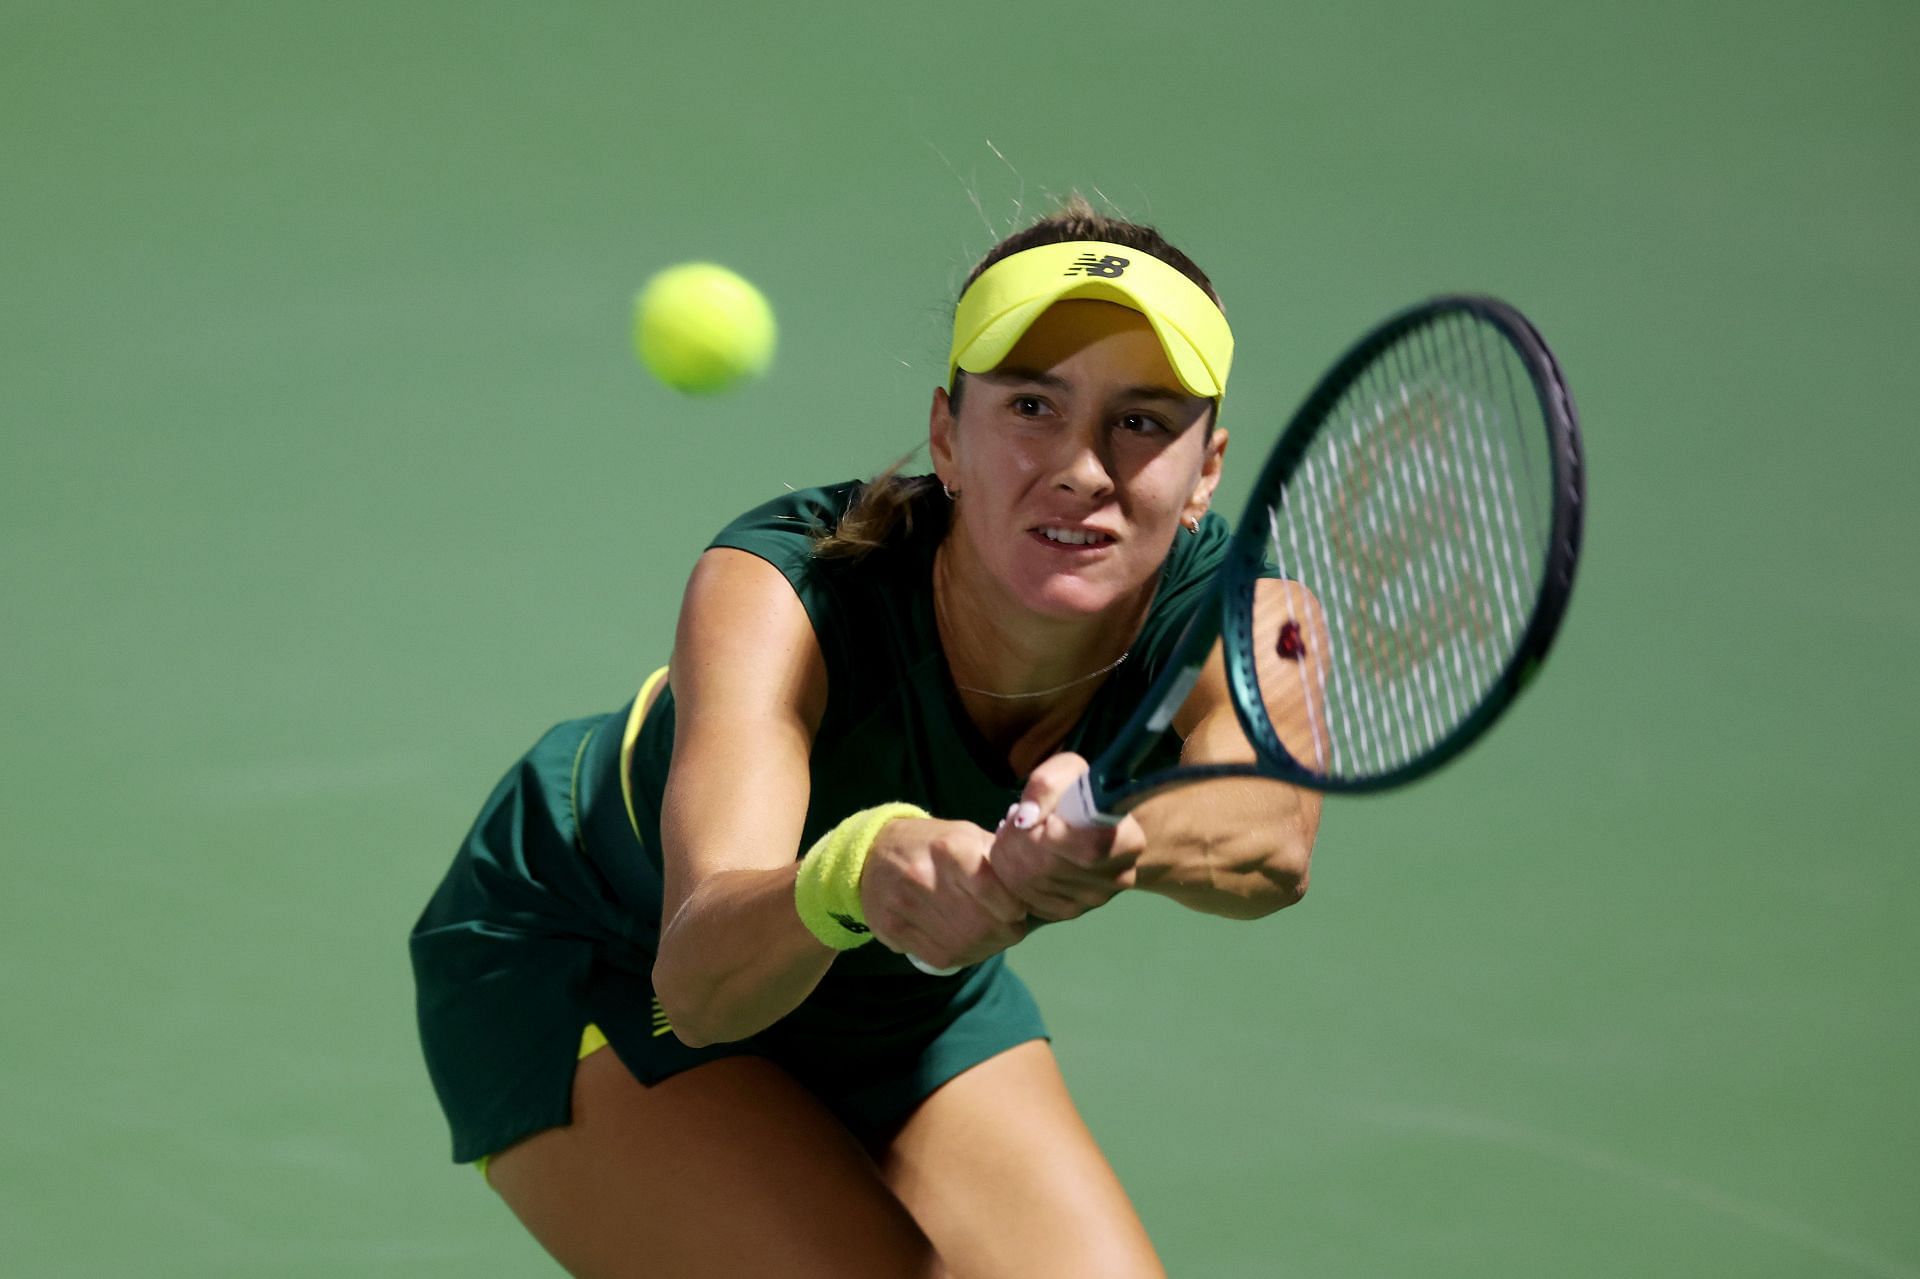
{"points": [[1072, 539]]}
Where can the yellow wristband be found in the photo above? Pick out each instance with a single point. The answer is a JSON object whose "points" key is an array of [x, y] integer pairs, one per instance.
{"points": [[827, 890]]}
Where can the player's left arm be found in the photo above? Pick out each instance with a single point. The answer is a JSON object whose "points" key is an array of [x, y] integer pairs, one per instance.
{"points": [[1240, 847]]}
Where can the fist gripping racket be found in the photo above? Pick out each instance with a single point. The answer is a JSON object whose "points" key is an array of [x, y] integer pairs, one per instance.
{"points": [[1402, 566]]}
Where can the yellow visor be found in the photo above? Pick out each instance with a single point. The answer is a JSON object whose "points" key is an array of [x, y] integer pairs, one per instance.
{"points": [[1011, 294]]}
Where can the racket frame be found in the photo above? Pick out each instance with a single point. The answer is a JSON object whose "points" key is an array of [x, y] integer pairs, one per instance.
{"points": [[1108, 789]]}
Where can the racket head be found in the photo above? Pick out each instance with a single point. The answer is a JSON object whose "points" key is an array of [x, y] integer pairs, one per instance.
{"points": [[1408, 552], [1439, 459]]}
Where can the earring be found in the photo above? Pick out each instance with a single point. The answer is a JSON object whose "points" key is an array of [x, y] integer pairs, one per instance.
{"points": [[951, 495], [1191, 524]]}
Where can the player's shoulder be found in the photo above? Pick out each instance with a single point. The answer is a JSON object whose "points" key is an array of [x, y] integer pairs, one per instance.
{"points": [[784, 530], [1195, 557], [1185, 577], [799, 516], [842, 596], [798, 529]]}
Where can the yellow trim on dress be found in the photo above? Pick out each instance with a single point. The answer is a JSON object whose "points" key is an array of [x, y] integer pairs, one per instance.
{"points": [[635, 718], [592, 1040]]}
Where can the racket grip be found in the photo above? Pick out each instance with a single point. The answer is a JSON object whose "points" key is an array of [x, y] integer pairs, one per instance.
{"points": [[1078, 808]]}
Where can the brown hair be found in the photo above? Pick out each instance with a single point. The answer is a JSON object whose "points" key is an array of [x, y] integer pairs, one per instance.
{"points": [[884, 507]]}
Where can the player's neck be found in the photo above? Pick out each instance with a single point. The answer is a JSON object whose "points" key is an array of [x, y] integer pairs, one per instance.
{"points": [[1022, 676]]}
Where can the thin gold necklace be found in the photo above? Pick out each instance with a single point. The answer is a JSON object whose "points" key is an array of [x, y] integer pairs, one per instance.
{"points": [[1014, 697], [1043, 692], [940, 611], [940, 622]]}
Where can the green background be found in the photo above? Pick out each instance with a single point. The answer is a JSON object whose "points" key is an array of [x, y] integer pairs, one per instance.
{"points": [[328, 483]]}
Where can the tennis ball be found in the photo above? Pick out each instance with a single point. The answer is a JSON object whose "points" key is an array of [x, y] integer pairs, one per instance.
{"points": [[700, 328]]}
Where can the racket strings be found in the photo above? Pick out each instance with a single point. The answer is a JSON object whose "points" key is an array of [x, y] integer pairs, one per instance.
{"points": [[1414, 527], [1438, 571], [1497, 530], [1311, 680]]}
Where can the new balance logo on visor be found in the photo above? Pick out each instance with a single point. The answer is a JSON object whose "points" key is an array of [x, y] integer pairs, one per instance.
{"points": [[1106, 268]]}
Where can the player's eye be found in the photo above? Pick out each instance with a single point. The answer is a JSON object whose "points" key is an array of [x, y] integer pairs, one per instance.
{"points": [[1028, 405], [1142, 424]]}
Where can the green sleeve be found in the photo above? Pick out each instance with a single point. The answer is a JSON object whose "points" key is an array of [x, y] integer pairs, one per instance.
{"points": [[1190, 566], [783, 532]]}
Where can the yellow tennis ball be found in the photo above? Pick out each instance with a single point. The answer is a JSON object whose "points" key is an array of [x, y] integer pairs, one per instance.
{"points": [[700, 328]]}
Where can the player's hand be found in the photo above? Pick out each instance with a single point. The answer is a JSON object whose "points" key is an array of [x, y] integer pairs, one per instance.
{"points": [[1060, 871], [929, 890]]}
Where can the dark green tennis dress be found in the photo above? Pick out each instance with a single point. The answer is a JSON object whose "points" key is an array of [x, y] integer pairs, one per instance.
{"points": [[549, 918]]}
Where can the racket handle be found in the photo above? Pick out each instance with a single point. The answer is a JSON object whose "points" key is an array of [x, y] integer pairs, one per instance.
{"points": [[1079, 809]]}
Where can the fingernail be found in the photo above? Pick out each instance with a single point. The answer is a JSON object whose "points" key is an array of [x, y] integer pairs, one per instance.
{"points": [[1025, 814]]}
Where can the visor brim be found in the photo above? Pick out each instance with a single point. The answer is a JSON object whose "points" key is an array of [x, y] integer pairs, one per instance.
{"points": [[1003, 332]]}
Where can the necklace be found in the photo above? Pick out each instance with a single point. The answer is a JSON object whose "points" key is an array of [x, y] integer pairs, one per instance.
{"points": [[940, 621], [1014, 697]]}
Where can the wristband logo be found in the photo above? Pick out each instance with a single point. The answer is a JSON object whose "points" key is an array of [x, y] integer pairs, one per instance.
{"points": [[849, 923], [1109, 267]]}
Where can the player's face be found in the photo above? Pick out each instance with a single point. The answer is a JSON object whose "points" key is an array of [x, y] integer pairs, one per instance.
{"points": [[1077, 460]]}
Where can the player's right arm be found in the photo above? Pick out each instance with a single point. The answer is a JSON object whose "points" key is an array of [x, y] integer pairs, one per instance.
{"points": [[750, 688]]}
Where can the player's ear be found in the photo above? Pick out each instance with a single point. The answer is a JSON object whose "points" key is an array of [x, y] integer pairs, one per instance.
{"points": [[940, 431], [1210, 463]]}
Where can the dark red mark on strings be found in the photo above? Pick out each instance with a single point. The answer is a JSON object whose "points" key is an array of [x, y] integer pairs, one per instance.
{"points": [[1290, 645]]}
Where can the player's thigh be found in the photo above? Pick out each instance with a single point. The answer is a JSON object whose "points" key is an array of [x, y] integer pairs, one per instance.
{"points": [[1000, 1170], [730, 1168]]}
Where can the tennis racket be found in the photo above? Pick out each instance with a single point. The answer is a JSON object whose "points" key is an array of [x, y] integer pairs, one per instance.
{"points": [[1399, 574]]}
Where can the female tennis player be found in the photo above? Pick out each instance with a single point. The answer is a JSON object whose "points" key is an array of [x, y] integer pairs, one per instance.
{"points": [[664, 991]]}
